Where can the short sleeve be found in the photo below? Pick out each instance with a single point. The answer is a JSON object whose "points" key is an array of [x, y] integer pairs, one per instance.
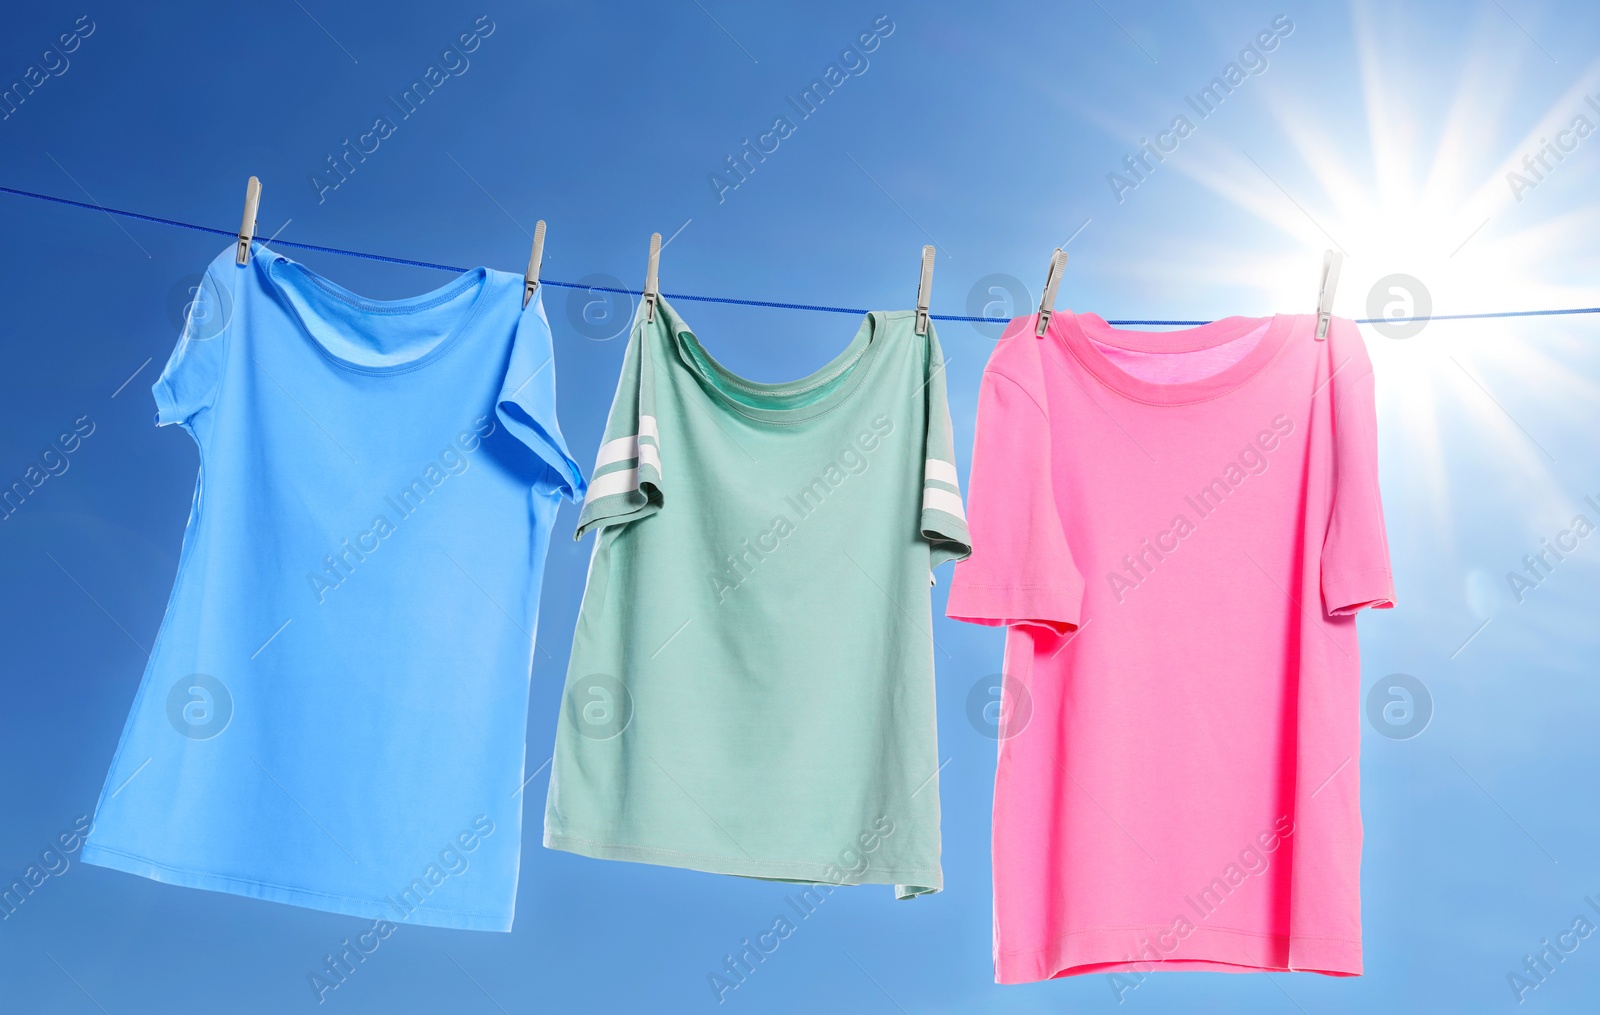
{"points": [[626, 482], [1021, 570], [193, 375], [1355, 549], [527, 402], [944, 520]]}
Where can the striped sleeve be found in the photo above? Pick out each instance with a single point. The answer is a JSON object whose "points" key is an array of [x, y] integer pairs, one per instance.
{"points": [[626, 482], [944, 519]]}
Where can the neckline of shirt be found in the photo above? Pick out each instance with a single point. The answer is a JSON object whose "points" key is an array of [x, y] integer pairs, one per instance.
{"points": [[850, 367], [482, 277], [1066, 333]]}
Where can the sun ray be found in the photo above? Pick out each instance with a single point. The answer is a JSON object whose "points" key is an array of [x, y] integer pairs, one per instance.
{"points": [[1434, 205]]}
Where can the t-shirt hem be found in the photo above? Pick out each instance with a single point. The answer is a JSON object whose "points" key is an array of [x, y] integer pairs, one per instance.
{"points": [[947, 534], [167, 411], [1053, 606], [1352, 591], [1205, 949], [908, 882], [424, 915], [622, 507], [569, 481]]}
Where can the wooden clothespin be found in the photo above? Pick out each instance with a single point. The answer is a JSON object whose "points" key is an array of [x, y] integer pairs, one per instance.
{"points": [[530, 281], [652, 279], [1052, 282], [924, 290], [247, 228], [1331, 263]]}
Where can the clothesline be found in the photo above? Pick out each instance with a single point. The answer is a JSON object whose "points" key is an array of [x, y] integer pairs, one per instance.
{"points": [[715, 299]]}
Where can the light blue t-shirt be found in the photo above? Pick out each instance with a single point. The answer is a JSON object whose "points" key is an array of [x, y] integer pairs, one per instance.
{"points": [[333, 713]]}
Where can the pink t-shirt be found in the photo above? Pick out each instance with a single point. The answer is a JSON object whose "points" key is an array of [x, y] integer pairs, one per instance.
{"points": [[1177, 529]]}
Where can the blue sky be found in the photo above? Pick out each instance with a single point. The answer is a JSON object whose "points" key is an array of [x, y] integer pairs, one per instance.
{"points": [[1383, 130]]}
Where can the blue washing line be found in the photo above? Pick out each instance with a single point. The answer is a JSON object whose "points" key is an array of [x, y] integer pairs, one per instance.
{"points": [[715, 299]]}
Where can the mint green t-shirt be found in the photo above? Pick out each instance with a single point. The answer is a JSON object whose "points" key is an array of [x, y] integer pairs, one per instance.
{"points": [[751, 688]]}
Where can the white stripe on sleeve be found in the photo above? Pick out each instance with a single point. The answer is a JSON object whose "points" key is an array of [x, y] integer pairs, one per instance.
{"points": [[619, 450], [621, 481], [938, 500], [943, 471]]}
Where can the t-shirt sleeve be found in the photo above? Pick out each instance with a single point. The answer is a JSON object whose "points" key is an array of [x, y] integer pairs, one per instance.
{"points": [[1355, 549], [527, 402], [626, 482], [193, 375], [944, 519], [1021, 570]]}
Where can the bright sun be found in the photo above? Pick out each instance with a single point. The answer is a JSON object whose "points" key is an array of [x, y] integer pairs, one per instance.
{"points": [[1445, 232]]}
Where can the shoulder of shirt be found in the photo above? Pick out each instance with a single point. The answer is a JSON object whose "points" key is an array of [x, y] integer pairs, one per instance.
{"points": [[1018, 357], [1348, 359]]}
